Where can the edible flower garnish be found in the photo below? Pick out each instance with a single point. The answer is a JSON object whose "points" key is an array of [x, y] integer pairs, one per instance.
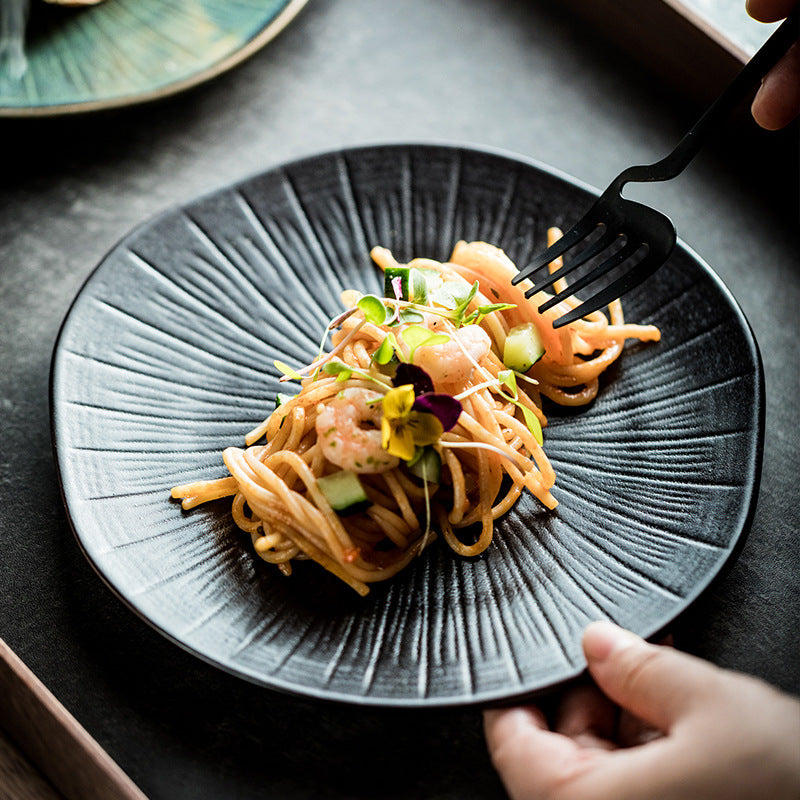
{"points": [[402, 429], [413, 414]]}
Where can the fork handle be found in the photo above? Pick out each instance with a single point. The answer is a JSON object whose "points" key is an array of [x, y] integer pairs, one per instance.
{"points": [[741, 86]]}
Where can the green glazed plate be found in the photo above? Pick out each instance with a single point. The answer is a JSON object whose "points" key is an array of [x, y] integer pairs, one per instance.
{"points": [[122, 52]]}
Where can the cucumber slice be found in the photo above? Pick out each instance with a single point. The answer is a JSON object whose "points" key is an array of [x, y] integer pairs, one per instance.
{"points": [[416, 285], [523, 347], [428, 467], [344, 491]]}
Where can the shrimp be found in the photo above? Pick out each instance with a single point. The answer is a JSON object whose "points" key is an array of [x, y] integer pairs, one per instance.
{"points": [[453, 362], [349, 432]]}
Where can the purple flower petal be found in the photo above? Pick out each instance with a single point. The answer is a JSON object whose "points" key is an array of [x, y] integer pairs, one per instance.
{"points": [[443, 406], [411, 373], [397, 287]]}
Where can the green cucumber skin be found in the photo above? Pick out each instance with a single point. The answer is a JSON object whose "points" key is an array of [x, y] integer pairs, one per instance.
{"points": [[389, 274]]}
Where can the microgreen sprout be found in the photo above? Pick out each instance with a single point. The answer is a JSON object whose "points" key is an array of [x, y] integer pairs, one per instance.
{"points": [[387, 350], [374, 309], [287, 373], [476, 317], [507, 378], [416, 336], [344, 372], [484, 446]]}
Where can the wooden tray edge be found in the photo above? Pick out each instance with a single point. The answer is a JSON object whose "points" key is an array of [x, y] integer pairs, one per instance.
{"points": [[54, 740]]}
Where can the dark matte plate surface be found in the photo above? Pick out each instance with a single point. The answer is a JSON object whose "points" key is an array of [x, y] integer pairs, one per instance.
{"points": [[166, 358]]}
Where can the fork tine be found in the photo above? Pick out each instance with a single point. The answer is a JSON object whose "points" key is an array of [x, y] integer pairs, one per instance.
{"points": [[643, 270], [589, 252], [601, 269], [558, 248]]}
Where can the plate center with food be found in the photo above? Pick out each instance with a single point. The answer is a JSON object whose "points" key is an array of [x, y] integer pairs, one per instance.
{"points": [[424, 417]]}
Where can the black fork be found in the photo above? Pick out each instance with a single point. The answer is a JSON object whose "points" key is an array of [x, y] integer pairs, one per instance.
{"points": [[641, 235]]}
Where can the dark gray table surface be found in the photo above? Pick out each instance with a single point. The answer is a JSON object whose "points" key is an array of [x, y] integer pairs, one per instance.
{"points": [[521, 76]]}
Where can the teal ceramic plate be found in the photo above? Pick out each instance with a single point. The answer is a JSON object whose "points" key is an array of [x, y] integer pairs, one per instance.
{"points": [[128, 51]]}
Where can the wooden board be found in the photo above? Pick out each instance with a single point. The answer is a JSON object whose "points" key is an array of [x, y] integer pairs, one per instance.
{"points": [[52, 740], [19, 779]]}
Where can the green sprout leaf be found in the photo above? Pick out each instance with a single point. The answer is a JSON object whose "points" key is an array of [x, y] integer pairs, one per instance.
{"points": [[418, 287], [374, 309], [532, 421], [387, 350], [408, 316], [509, 380], [457, 315], [483, 311], [337, 368], [418, 453], [287, 371], [418, 336]]}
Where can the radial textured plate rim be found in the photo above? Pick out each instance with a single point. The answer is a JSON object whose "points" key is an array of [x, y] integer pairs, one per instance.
{"points": [[255, 43], [490, 697]]}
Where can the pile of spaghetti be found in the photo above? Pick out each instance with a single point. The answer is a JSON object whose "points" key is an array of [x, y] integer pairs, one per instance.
{"points": [[423, 416]]}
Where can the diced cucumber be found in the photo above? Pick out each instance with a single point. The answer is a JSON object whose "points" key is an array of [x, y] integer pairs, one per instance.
{"points": [[389, 275], [416, 284], [281, 398], [523, 347], [428, 467], [344, 491]]}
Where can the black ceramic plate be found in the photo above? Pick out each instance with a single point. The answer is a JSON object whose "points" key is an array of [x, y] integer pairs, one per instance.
{"points": [[166, 358]]}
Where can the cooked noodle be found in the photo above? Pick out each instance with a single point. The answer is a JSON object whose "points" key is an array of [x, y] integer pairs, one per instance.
{"points": [[487, 457]]}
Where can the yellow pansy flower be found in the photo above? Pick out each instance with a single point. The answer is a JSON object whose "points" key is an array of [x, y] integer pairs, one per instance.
{"points": [[402, 428]]}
